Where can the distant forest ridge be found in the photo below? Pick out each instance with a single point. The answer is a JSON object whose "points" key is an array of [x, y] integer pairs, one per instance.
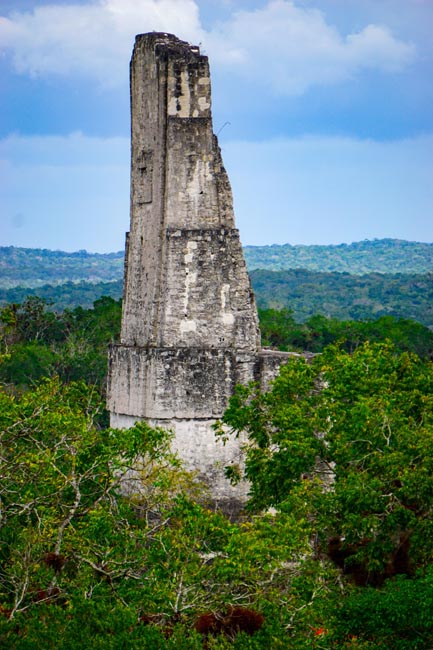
{"points": [[33, 267], [67, 295], [305, 293], [358, 258], [344, 296]]}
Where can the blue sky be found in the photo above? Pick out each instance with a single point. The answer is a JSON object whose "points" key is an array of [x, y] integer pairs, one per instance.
{"points": [[323, 107]]}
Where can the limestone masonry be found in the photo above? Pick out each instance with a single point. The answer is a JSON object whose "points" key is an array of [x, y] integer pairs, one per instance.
{"points": [[189, 322]]}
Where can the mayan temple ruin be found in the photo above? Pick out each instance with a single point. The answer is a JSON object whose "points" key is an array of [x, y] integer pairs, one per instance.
{"points": [[189, 322]]}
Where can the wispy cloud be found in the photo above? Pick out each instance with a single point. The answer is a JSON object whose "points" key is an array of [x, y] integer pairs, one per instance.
{"points": [[291, 48], [282, 45], [92, 39]]}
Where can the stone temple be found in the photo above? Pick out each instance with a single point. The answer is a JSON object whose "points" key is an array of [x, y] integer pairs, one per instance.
{"points": [[189, 322]]}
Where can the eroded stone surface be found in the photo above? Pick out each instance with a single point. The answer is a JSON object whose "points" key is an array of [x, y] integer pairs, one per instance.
{"points": [[189, 322]]}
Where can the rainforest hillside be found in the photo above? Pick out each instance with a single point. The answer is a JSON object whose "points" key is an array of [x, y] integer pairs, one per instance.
{"points": [[68, 280], [376, 256], [305, 293], [34, 267], [344, 296], [28, 267]]}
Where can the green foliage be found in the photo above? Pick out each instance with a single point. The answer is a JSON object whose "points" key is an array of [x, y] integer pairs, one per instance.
{"points": [[280, 330], [358, 258], [60, 492], [34, 267], [83, 355], [27, 363], [66, 295], [363, 423], [31, 322], [344, 296], [93, 555], [344, 443], [90, 552], [83, 624], [89, 548], [397, 616], [101, 325], [41, 343]]}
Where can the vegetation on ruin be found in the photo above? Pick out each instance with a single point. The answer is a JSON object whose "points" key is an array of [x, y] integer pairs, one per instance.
{"points": [[84, 565]]}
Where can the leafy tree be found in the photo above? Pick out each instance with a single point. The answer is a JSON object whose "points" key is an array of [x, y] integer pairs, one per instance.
{"points": [[83, 355], [362, 425], [103, 543], [100, 325], [63, 514], [345, 443], [344, 296], [397, 616], [35, 323], [27, 363], [73, 345], [280, 330]]}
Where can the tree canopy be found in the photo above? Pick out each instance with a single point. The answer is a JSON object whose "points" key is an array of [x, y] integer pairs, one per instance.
{"points": [[347, 437], [106, 542]]}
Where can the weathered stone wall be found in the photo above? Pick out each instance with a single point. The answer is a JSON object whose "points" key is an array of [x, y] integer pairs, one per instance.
{"points": [[189, 323], [204, 455], [181, 209], [175, 383]]}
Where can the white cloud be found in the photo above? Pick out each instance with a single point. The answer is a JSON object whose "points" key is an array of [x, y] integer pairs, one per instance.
{"points": [[291, 48], [92, 40], [376, 47], [281, 45]]}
